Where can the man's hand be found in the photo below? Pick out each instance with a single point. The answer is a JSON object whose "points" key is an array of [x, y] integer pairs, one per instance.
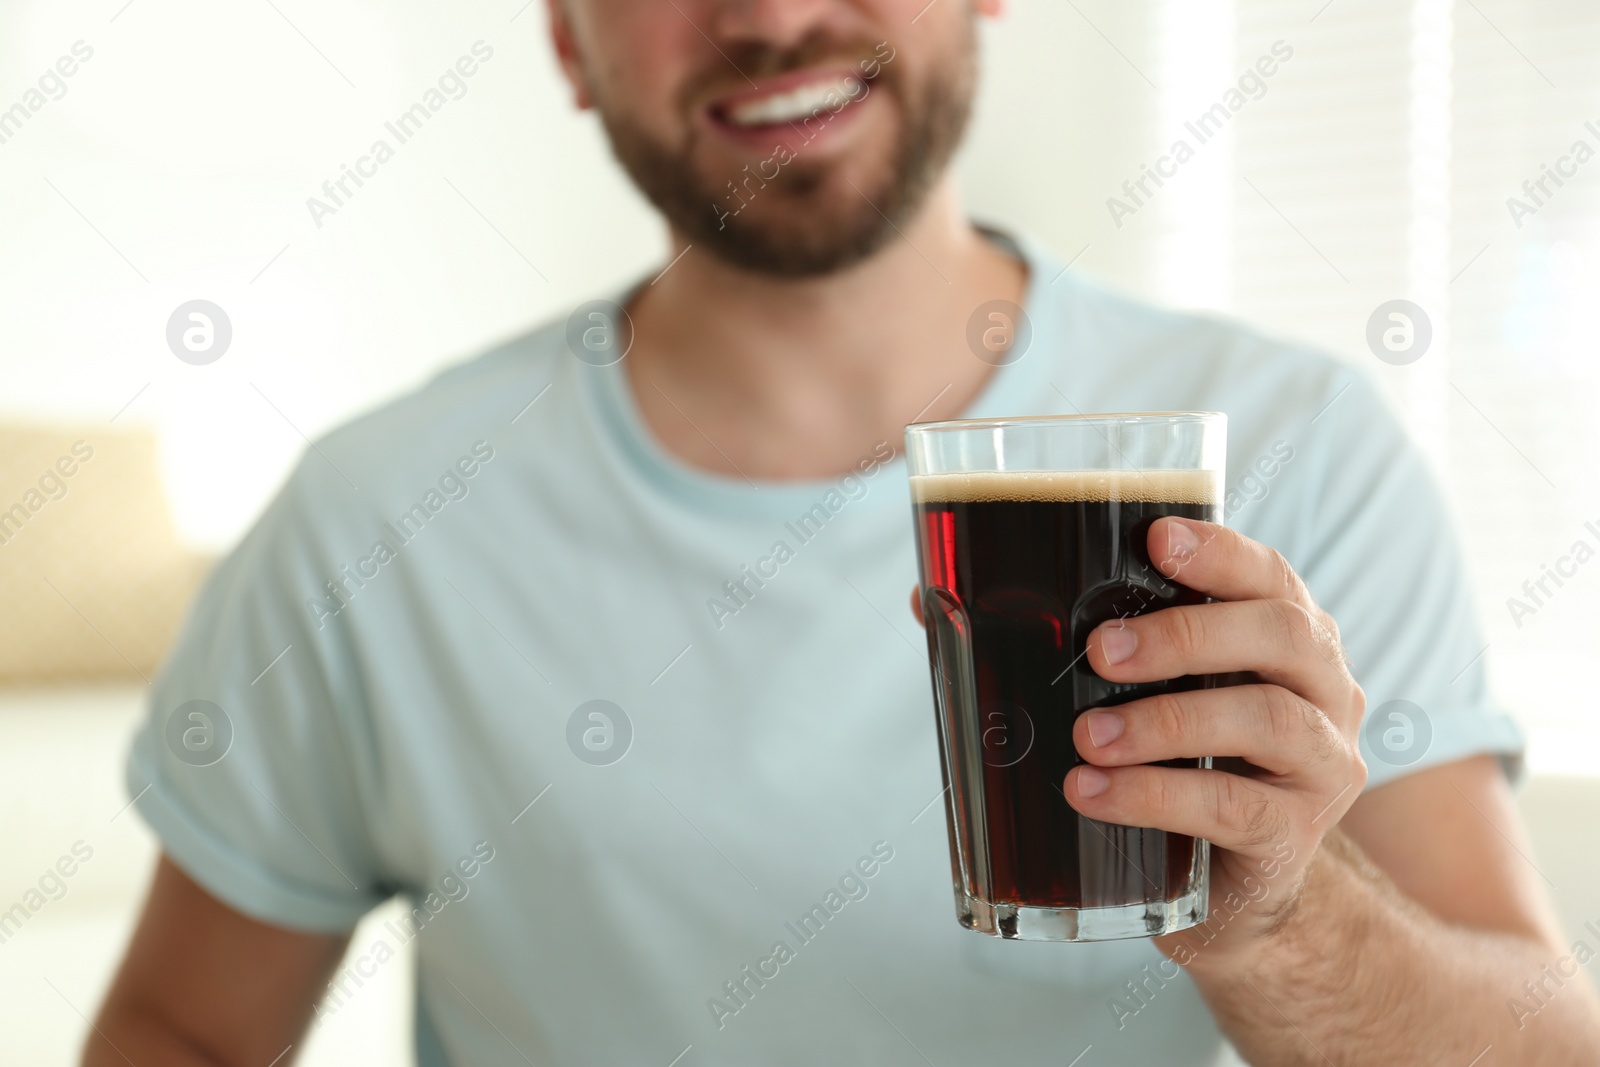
{"points": [[1296, 726]]}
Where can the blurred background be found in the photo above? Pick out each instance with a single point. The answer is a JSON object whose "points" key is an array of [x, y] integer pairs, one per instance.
{"points": [[158, 152]]}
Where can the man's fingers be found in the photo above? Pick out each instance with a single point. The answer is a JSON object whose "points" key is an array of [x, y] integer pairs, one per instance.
{"points": [[1222, 563], [1268, 725], [1239, 814], [1281, 641], [916, 605]]}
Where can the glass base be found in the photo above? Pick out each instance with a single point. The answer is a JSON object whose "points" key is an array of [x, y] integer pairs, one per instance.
{"points": [[1028, 923]]}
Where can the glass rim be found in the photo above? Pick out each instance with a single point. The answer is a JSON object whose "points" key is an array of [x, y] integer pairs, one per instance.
{"points": [[1118, 418]]}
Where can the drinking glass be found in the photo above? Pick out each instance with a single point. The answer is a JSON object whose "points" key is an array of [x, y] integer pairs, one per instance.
{"points": [[1031, 532]]}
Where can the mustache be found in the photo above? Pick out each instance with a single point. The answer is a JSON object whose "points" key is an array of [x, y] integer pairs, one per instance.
{"points": [[743, 62]]}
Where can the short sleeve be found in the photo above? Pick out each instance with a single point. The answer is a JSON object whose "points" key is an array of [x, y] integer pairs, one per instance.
{"points": [[1381, 555], [251, 764]]}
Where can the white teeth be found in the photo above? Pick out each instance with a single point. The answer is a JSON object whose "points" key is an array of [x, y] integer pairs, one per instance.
{"points": [[801, 103]]}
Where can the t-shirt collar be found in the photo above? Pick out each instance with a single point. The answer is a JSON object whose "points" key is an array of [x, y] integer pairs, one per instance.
{"points": [[1015, 388]]}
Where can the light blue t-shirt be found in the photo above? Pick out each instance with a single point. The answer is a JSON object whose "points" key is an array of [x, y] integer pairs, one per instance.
{"points": [[405, 649]]}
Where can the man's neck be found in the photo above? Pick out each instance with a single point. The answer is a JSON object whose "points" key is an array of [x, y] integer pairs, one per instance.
{"points": [[774, 379]]}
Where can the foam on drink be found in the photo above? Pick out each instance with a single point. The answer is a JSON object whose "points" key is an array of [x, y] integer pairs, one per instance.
{"points": [[1088, 487]]}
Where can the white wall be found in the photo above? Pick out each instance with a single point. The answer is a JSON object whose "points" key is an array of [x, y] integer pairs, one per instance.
{"points": [[191, 142]]}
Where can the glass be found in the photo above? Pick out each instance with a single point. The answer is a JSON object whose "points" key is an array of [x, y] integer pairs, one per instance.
{"points": [[1030, 533]]}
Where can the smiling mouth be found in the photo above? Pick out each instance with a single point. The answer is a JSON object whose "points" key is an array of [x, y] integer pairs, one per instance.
{"points": [[828, 95]]}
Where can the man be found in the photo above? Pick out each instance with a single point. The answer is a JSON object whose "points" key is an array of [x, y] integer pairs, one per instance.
{"points": [[686, 505]]}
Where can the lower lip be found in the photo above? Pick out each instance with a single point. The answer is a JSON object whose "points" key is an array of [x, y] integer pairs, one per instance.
{"points": [[803, 134]]}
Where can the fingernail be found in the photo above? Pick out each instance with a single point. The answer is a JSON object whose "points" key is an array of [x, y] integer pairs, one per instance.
{"points": [[1091, 781], [1117, 642], [1181, 541], [1104, 727]]}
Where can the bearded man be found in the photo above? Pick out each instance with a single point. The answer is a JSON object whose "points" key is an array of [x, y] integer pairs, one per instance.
{"points": [[606, 669]]}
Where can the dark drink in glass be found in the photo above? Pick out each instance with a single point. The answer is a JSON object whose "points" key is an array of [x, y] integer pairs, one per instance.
{"points": [[1019, 563]]}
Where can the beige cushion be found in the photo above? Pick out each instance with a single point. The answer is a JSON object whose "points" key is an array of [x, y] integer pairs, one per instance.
{"points": [[92, 578]]}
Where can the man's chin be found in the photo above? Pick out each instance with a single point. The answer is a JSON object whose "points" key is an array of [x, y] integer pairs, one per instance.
{"points": [[798, 244], [818, 221]]}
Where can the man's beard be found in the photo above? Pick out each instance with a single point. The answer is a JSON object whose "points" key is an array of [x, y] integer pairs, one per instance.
{"points": [[805, 221]]}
